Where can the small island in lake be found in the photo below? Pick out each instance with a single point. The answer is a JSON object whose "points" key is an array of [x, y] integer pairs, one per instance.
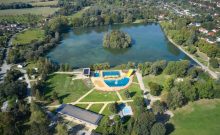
{"points": [[117, 39]]}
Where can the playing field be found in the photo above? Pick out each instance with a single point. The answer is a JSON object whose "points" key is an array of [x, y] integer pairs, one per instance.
{"points": [[69, 90], [198, 118], [44, 11], [28, 36], [100, 96]]}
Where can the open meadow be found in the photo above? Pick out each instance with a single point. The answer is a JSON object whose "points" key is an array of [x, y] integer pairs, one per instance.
{"points": [[198, 118], [44, 11], [28, 36]]}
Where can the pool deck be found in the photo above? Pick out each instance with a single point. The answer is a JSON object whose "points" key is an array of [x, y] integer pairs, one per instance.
{"points": [[102, 86]]}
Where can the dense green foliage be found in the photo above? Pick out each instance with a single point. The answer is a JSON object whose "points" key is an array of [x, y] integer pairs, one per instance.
{"points": [[117, 39], [214, 63], [155, 88]]}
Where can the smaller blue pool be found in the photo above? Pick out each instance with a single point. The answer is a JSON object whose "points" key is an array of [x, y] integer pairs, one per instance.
{"points": [[117, 83], [111, 73], [96, 74]]}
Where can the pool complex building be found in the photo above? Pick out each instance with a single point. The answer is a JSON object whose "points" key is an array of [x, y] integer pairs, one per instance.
{"points": [[112, 80]]}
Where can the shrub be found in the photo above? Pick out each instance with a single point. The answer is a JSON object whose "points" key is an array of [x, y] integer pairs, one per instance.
{"points": [[214, 63], [155, 89]]}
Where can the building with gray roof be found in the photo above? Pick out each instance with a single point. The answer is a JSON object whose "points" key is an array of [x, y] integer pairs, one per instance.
{"points": [[79, 115]]}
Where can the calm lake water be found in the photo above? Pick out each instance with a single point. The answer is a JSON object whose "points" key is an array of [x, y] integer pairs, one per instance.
{"points": [[83, 47]]}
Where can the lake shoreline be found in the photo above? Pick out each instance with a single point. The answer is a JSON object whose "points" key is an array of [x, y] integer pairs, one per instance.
{"points": [[205, 68]]}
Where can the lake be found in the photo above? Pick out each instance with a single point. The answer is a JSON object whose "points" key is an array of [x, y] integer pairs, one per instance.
{"points": [[82, 47]]}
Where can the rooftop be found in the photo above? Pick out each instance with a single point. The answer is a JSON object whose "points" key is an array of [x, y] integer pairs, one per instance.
{"points": [[79, 113]]}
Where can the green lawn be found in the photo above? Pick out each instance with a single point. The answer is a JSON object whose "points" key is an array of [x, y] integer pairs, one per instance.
{"points": [[160, 79], [135, 79], [198, 118], [134, 90], [11, 1], [100, 96], [44, 11], [82, 105], [28, 36], [107, 111], [66, 88], [78, 14], [96, 108], [46, 3]]}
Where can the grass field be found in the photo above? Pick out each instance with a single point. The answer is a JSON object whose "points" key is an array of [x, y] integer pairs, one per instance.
{"points": [[44, 11], [160, 79], [96, 108], [100, 96], [67, 89], [28, 36], [11, 1], [134, 90], [82, 105], [198, 118], [135, 79], [46, 3], [78, 14]]}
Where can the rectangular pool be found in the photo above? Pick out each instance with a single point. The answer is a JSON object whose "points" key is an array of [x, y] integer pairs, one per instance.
{"points": [[111, 73]]}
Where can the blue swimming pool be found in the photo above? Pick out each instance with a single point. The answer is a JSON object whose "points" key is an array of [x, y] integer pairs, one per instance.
{"points": [[110, 73], [96, 74], [117, 83]]}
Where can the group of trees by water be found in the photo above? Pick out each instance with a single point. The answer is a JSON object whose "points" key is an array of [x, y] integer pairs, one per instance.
{"points": [[186, 83], [186, 36], [116, 39]]}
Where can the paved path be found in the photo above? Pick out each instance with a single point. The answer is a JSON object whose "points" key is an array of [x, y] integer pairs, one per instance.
{"points": [[119, 96], [103, 108], [27, 80], [83, 96], [89, 106], [205, 68]]}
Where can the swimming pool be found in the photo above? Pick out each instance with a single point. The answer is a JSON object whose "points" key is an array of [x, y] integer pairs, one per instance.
{"points": [[117, 83], [96, 74], [111, 73]]}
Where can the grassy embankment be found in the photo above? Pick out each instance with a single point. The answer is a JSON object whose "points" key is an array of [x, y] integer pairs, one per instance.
{"points": [[28, 36]]}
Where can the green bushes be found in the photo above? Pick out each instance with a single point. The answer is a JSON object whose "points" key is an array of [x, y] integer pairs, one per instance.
{"points": [[179, 68], [155, 89], [214, 63], [116, 39]]}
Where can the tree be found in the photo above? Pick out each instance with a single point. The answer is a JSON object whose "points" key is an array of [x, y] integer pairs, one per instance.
{"points": [[205, 89], [214, 63], [158, 129], [127, 94], [61, 129], [55, 95], [169, 84], [179, 68], [37, 115], [188, 89], [158, 67], [38, 129], [144, 123], [155, 88], [158, 107], [114, 107], [175, 99], [116, 39]]}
